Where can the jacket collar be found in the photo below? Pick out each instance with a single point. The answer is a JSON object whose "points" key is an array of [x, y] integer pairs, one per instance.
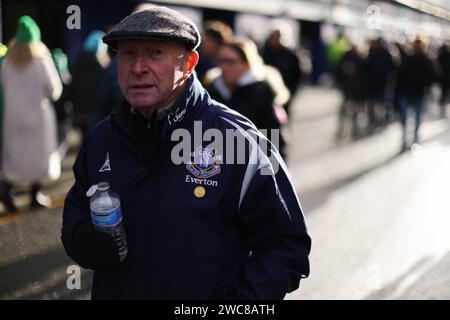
{"points": [[187, 105]]}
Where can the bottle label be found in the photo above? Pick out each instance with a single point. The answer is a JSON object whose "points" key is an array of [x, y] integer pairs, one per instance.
{"points": [[107, 219]]}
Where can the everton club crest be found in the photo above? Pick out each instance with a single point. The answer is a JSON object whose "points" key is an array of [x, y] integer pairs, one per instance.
{"points": [[205, 163]]}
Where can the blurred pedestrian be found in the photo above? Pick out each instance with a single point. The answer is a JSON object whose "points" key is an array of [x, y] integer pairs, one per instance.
{"points": [[198, 229], [415, 77], [400, 56], [444, 77], [62, 108], [30, 82], [243, 85], [215, 34], [109, 96], [336, 50], [380, 67], [3, 51], [86, 73], [351, 78], [278, 55]]}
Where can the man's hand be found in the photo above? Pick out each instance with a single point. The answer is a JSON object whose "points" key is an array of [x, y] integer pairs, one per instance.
{"points": [[96, 248]]}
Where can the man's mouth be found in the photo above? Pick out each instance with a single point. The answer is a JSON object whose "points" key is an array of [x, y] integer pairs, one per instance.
{"points": [[140, 86]]}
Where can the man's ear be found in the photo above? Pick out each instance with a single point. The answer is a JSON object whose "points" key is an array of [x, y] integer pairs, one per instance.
{"points": [[191, 62]]}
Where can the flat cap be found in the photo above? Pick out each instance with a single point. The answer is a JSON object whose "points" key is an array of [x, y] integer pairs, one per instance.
{"points": [[157, 23]]}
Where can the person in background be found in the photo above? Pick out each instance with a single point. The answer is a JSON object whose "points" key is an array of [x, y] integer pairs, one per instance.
{"points": [[444, 77], [415, 77], [3, 51], [30, 83], [380, 67], [336, 50], [215, 34], [243, 85], [86, 73], [351, 78], [109, 95], [285, 60], [61, 106], [400, 55]]}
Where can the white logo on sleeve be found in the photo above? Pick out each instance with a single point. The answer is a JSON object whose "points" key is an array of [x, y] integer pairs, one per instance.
{"points": [[106, 166]]}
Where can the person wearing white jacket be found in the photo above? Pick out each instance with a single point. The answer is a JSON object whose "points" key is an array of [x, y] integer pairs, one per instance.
{"points": [[30, 84]]}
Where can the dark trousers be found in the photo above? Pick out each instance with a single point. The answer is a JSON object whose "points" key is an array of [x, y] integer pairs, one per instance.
{"points": [[415, 104]]}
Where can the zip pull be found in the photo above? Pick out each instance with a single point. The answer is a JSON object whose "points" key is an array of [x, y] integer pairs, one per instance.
{"points": [[149, 125]]}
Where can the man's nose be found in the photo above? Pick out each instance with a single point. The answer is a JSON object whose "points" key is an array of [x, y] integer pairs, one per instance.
{"points": [[140, 65]]}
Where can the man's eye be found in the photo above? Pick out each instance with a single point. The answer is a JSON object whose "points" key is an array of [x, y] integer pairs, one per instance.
{"points": [[126, 53], [156, 52]]}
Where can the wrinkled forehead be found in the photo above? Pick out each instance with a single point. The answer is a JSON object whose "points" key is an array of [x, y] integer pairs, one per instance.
{"points": [[150, 44]]}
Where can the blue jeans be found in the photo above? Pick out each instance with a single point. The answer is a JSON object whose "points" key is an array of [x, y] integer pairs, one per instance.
{"points": [[415, 104]]}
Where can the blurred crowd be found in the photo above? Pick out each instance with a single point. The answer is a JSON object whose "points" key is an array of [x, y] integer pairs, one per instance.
{"points": [[43, 97], [389, 82]]}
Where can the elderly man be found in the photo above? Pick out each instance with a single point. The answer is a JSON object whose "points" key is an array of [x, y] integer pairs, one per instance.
{"points": [[201, 229]]}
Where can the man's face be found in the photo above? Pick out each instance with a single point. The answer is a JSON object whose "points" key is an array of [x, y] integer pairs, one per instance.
{"points": [[151, 73]]}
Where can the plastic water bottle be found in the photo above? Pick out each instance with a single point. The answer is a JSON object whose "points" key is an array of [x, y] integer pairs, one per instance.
{"points": [[106, 215]]}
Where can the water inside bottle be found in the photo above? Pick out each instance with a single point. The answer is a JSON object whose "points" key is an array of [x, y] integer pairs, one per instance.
{"points": [[102, 205]]}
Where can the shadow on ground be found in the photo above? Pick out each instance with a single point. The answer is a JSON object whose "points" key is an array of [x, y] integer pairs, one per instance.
{"points": [[312, 199], [430, 281]]}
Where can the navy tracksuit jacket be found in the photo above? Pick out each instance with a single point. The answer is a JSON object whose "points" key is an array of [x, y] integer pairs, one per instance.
{"points": [[203, 230]]}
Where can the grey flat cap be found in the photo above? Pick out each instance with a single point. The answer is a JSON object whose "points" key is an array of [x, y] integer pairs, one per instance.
{"points": [[158, 23]]}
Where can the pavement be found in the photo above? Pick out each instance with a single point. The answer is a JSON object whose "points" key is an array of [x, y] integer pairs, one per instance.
{"points": [[378, 217]]}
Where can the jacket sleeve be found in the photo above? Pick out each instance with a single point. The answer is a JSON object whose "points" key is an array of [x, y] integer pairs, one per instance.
{"points": [[274, 232], [76, 206]]}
